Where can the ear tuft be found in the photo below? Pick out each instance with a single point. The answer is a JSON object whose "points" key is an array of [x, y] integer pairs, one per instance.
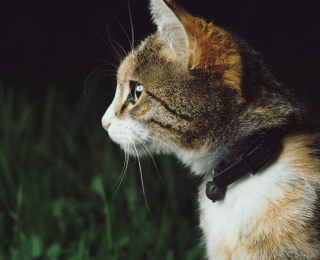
{"points": [[168, 23]]}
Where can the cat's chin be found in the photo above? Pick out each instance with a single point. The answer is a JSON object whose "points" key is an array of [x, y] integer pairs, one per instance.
{"points": [[139, 149], [135, 151]]}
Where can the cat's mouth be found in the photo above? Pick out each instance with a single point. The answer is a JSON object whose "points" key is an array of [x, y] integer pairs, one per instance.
{"points": [[137, 141]]}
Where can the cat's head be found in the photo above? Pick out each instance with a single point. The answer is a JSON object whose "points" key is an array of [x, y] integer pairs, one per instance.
{"points": [[170, 88], [181, 89]]}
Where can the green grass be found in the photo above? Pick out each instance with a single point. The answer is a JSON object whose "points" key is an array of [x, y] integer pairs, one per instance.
{"points": [[59, 173]]}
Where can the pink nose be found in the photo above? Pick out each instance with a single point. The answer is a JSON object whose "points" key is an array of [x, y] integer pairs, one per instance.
{"points": [[106, 126]]}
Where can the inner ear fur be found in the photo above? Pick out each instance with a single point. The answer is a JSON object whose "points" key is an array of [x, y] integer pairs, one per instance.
{"points": [[165, 15]]}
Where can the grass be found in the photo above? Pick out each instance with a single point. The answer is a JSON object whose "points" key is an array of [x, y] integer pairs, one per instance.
{"points": [[59, 173]]}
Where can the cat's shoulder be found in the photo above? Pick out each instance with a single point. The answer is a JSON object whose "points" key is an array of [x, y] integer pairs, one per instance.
{"points": [[301, 153]]}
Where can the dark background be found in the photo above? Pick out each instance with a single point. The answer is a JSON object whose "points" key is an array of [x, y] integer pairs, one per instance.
{"points": [[58, 41]]}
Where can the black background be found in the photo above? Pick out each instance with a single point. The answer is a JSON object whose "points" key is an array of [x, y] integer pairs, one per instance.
{"points": [[59, 41]]}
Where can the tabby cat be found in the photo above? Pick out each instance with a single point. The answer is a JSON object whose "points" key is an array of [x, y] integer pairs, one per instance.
{"points": [[201, 93]]}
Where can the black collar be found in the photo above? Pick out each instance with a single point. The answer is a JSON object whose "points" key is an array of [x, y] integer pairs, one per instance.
{"points": [[252, 153]]}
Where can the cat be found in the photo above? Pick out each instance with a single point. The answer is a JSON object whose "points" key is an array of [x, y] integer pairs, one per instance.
{"points": [[201, 93]]}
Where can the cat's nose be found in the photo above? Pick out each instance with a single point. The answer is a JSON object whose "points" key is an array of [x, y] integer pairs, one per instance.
{"points": [[108, 117], [106, 126]]}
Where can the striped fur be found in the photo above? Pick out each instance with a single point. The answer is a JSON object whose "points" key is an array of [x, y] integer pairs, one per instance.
{"points": [[203, 89]]}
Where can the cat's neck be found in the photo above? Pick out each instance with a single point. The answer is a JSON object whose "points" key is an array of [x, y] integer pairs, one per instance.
{"points": [[204, 163], [233, 149]]}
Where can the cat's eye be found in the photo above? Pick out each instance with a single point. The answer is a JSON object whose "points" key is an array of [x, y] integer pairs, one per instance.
{"points": [[136, 91]]}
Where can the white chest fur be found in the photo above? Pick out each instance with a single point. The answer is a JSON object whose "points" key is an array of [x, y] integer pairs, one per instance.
{"points": [[225, 220]]}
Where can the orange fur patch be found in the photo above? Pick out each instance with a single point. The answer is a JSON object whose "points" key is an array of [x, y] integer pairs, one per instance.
{"points": [[212, 50], [299, 154]]}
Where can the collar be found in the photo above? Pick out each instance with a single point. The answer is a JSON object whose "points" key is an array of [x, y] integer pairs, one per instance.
{"points": [[252, 154]]}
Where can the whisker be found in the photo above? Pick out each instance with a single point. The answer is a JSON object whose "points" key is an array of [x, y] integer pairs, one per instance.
{"points": [[123, 168], [114, 56], [148, 136], [106, 76], [197, 179], [126, 166], [159, 133], [152, 159], [87, 78], [107, 62], [125, 171], [162, 136], [105, 70], [124, 51], [122, 175], [113, 47], [132, 34], [144, 194], [112, 41], [101, 37], [131, 44]]}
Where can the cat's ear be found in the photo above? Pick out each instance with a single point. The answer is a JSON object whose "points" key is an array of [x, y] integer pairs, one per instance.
{"points": [[167, 16], [202, 45]]}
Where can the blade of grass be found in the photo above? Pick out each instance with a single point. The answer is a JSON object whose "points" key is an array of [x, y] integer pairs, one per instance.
{"points": [[195, 252], [98, 187], [81, 247], [47, 113], [7, 173]]}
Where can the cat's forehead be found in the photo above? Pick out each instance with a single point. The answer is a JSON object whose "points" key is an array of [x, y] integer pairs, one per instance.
{"points": [[153, 51]]}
